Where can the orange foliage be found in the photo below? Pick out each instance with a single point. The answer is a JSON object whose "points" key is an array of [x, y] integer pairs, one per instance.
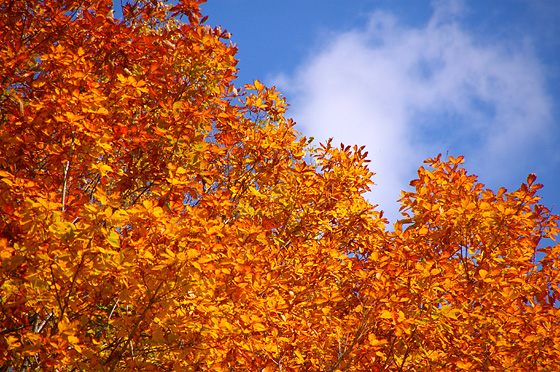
{"points": [[155, 217]]}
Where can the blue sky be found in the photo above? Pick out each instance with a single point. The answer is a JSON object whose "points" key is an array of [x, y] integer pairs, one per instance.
{"points": [[411, 79]]}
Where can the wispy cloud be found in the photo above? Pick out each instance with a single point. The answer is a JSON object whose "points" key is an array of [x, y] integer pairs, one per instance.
{"points": [[410, 93]]}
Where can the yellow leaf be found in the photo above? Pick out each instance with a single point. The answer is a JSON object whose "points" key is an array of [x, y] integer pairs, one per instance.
{"points": [[34, 338], [363, 274], [386, 314], [104, 169], [374, 341], [258, 85], [7, 181], [530, 338], [113, 238], [299, 356], [259, 327], [205, 259], [5, 252], [464, 364], [13, 342]]}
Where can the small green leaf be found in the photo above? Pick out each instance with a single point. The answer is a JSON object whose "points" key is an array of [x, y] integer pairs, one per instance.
{"points": [[113, 238]]}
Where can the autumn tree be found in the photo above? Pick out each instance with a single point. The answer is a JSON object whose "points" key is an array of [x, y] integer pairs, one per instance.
{"points": [[154, 216]]}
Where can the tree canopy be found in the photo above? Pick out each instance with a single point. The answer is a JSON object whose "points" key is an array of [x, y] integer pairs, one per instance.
{"points": [[154, 216]]}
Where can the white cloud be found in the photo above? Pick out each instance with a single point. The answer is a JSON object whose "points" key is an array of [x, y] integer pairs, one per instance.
{"points": [[411, 93]]}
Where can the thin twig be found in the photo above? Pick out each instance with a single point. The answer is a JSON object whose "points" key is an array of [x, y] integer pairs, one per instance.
{"points": [[115, 358], [39, 327], [65, 187], [113, 309]]}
